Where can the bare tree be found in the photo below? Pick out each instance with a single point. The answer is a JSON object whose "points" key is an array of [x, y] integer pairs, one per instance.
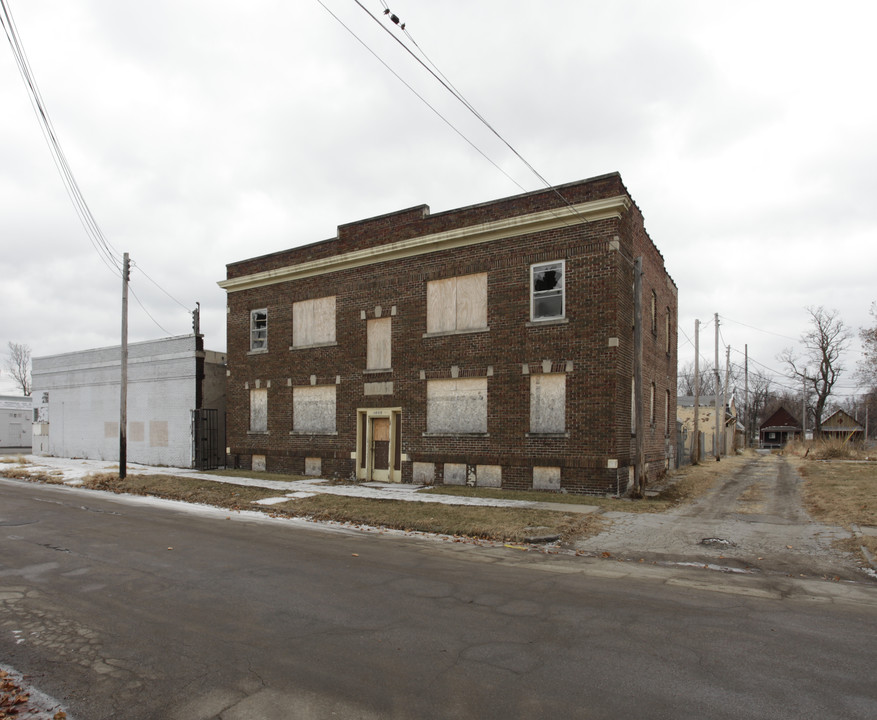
{"points": [[18, 366], [760, 394], [685, 379], [867, 366], [819, 366]]}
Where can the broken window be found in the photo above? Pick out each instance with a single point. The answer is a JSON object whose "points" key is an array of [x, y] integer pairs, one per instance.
{"points": [[456, 304], [259, 329], [378, 348], [313, 409], [548, 403], [456, 406], [547, 300], [259, 410], [313, 322]]}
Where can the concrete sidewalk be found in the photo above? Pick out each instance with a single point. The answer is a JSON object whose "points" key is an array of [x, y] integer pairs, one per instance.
{"points": [[73, 470]]}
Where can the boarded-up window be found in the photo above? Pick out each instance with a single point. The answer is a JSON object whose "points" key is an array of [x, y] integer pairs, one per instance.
{"points": [[456, 406], [313, 322], [456, 304], [548, 403], [547, 297], [313, 409], [136, 431], [666, 412], [668, 330], [259, 410], [111, 429], [652, 404], [378, 347], [158, 434], [259, 329]]}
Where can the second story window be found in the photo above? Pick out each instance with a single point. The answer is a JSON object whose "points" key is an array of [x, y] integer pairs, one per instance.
{"points": [[313, 322], [457, 304], [259, 329], [547, 296], [378, 344]]}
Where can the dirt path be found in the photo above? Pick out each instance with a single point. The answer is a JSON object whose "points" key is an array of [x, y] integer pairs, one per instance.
{"points": [[753, 521]]}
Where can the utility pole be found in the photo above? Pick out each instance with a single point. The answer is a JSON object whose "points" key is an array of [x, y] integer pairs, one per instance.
{"points": [[804, 405], [639, 481], [123, 399], [725, 399], [746, 392], [695, 443], [718, 385]]}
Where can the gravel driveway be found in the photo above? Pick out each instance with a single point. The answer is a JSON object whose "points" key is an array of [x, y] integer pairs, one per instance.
{"points": [[752, 521]]}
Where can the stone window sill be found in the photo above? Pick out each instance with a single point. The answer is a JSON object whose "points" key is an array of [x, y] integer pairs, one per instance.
{"points": [[457, 434], [377, 371], [446, 333], [306, 433], [548, 323], [547, 434], [258, 432], [259, 351], [315, 345]]}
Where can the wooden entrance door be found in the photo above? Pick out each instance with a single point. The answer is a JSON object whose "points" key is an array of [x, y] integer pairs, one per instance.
{"points": [[380, 449]]}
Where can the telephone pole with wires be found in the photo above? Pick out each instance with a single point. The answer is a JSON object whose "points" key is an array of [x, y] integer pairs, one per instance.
{"points": [[123, 395]]}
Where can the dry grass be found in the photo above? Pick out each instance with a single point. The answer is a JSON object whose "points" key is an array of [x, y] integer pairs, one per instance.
{"points": [[841, 493], [829, 449], [14, 460], [508, 524]]}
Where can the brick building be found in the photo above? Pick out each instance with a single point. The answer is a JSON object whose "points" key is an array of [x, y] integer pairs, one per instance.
{"points": [[490, 345]]}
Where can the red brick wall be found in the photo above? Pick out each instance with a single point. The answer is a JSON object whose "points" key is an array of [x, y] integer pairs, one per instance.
{"points": [[599, 306]]}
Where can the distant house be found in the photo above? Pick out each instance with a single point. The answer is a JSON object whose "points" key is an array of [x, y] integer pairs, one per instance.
{"points": [[778, 429], [707, 424], [843, 426], [175, 405], [15, 421]]}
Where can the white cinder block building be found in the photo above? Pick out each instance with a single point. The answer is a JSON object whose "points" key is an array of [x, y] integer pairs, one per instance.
{"points": [[76, 396], [15, 421]]}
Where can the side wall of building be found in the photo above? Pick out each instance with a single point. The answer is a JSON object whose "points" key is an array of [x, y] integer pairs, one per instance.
{"points": [[80, 395]]}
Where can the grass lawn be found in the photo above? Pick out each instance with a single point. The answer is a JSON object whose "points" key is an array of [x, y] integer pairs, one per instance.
{"points": [[842, 493]]}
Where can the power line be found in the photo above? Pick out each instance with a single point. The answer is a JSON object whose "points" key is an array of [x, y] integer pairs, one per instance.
{"points": [[107, 253], [419, 96], [442, 79]]}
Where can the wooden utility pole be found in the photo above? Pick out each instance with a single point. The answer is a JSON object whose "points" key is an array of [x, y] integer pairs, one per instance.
{"points": [[804, 405], [717, 440], [746, 392], [639, 480], [123, 398], [695, 443], [725, 399]]}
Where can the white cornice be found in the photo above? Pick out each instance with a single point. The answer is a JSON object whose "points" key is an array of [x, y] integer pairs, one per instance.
{"points": [[604, 209]]}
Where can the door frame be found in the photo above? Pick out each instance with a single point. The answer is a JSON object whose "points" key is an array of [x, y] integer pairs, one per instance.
{"points": [[365, 464]]}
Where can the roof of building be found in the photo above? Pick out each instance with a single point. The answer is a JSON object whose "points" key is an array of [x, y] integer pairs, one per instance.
{"points": [[843, 421], [16, 402]]}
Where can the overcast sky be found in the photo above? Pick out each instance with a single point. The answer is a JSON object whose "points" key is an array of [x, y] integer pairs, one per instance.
{"points": [[202, 133]]}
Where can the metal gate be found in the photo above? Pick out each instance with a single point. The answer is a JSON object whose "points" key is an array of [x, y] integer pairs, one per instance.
{"points": [[208, 449]]}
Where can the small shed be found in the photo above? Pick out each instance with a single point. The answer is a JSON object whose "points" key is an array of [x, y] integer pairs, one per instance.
{"points": [[778, 429], [843, 426]]}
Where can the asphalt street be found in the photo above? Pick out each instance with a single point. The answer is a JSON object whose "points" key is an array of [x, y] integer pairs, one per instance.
{"points": [[133, 608]]}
